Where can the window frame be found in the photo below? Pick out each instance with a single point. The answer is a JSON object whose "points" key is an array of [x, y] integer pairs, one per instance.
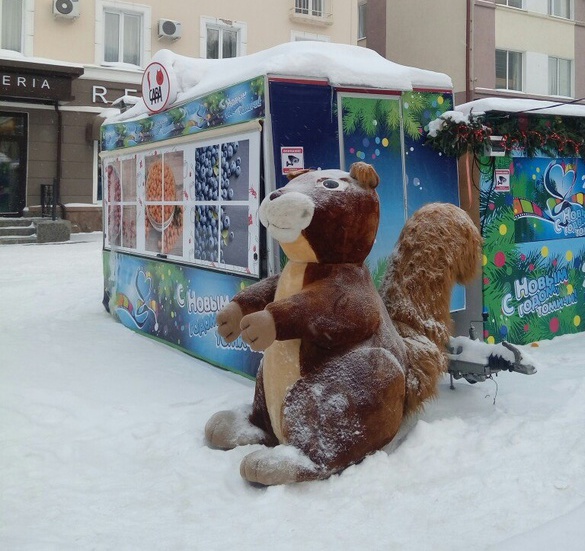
{"points": [[300, 36], [557, 62], [312, 12], [222, 32], [26, 27], [103, 6], [508, 5], [307, 7], [122, 51], [362, 17], [21, 30], [126, 206], [561, 3], [215, 23], [508, 78]]}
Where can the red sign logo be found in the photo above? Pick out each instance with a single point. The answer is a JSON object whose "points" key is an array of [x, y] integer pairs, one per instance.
{"points": [[157, 89]]}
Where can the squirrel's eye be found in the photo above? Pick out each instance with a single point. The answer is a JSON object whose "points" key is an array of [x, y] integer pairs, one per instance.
{"points": [[330, 184]]}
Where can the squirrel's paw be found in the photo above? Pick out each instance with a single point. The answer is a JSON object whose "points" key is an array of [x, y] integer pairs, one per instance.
{"points": [[280, 465], [227, 429]]}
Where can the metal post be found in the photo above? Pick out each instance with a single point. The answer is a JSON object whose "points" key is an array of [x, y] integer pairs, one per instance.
{"points": [[54, 200]]}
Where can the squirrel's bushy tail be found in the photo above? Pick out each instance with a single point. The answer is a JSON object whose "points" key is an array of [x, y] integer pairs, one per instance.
{"points": [[438, 247]]}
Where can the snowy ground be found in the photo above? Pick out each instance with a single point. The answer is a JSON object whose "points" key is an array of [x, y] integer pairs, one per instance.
{"points": [[101, 443]]}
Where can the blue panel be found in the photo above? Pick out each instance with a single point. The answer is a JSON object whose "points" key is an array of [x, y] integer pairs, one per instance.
{"points": [[430, 176], [304, 115], [177, 304], [372, 135]]}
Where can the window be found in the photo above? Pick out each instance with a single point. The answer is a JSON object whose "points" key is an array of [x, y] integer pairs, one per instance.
{"points": [[221, 43], [154, 207], [13, 153], [297, 36], [309, 7], [560, 8], [11, 23], [123, 38], [97, 173], [221, 39], [508, 70], [559, 77], [362, 10], [314, 12], [122, 33], [510, 3]]}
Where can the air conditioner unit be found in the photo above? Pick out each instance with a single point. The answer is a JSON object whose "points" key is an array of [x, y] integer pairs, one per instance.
{"points": [[169, 29], [68, 9]]}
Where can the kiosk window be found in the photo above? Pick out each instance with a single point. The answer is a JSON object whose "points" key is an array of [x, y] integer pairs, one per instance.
{"points": [[195, 203]]}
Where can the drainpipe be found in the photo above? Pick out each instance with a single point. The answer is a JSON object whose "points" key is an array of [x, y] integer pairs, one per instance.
{"points": [[57, 179], [468, 23]]}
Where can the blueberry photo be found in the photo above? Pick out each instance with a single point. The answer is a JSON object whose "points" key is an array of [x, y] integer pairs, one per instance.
{"points": [[206, 233], [234, 235]]}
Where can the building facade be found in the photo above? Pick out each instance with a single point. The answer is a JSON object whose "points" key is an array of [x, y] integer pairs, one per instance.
{"points": [[64, 62], [507, 48]]}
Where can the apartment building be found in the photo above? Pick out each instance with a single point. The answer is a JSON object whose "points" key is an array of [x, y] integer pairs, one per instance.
{"points": [[63, 62], [508, 48]]}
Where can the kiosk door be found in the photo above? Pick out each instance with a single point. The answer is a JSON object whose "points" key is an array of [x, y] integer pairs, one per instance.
{"points": [[370, 130]]}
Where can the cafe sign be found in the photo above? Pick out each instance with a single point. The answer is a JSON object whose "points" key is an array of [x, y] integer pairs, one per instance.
{"points": [[33, 86]]}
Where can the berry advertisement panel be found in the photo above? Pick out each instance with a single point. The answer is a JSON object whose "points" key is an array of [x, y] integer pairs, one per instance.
{"points": [[533, 265], [163, 221], [234, 105], [120, 203], [194, 202]]}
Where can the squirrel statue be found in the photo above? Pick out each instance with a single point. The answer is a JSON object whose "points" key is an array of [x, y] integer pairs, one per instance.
{"points": [[343, 364]]}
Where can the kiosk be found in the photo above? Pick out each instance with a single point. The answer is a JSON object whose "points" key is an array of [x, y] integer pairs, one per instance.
{"points": [[186, 168]]}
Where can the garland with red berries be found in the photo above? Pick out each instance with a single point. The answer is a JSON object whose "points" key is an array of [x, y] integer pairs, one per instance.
{"points": [[552, 136]]}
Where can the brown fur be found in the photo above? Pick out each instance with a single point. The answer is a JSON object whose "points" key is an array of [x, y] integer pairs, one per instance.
{"points": [[346, 366], [438, 247]]}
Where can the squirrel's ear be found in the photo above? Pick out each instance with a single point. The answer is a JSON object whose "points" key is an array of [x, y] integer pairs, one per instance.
{"points": [[294, 173], [365, 175]]}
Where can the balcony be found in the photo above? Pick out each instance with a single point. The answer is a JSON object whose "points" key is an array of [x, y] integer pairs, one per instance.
{"points": [[312, 12]]}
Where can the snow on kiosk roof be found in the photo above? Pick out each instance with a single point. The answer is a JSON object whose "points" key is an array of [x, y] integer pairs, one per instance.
{"points": [[520, 105], [340, 64]]}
